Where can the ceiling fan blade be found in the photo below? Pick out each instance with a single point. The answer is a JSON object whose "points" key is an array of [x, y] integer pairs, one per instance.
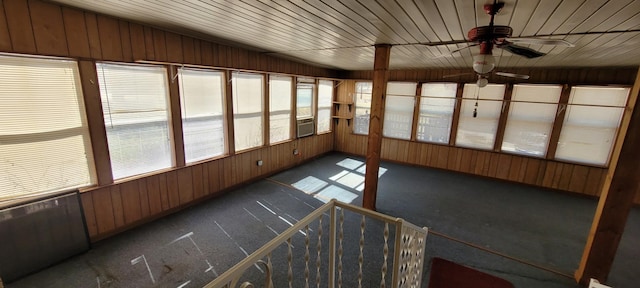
{"points": [[441, 43], [513, 75], [541, 41], [522, 51]]}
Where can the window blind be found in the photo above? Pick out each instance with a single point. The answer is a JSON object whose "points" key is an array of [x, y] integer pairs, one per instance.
{"points": [[201, 95], [134, 103], [280, 108], [479, 130], [44, 138], [530, 120], [436, 112], [247, 110], [591, 124], [398, 109], [325, 101]]}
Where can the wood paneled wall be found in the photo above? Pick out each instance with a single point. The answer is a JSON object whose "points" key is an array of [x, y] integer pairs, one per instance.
{"points": [[553, 174], [41, 28], [113, 208]]}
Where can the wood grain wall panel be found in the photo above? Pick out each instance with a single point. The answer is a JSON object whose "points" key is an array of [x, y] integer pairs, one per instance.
{"points": [[185, 185], [185, 50], [205, 179], [93, 34], [138, 41], [164, 191], [174, 47], [173, 192], [578, 178], [154, 195], [150, 52], [87, 207], [103, 210], [116, 202], [144, 197], [214, 176], [206, 49], [565, 178], [76, 33], [160, 45], [110, 39], [48, 28], [197, 53], [125, 41], [197, 179], [130, 202], [20, 28], [5, 37]]}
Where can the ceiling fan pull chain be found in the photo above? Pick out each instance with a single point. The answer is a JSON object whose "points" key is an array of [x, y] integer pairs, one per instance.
{"points": [[475, 109]]}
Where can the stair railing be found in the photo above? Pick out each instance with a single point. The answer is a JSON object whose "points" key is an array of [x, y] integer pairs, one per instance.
{"points": [[408, 246]]}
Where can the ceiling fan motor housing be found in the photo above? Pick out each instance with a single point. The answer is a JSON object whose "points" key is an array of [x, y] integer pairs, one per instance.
{"points": [[489, 33]]}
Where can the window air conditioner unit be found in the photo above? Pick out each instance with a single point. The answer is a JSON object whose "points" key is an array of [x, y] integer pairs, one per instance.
{"points": [[305, 127]]}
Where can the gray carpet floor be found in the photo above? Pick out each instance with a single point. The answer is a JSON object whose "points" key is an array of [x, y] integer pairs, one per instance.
{"points": [[530, 236]]}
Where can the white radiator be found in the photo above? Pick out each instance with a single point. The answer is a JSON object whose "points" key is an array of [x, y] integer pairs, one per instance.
{"points": [[305, 127]]}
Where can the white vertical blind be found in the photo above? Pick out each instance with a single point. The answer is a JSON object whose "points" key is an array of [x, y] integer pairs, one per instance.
{"points": [[363, 107], [134, 103], [280, 90], [201, 95], [44, 138], [479, 131], [247, 110], [325, 101], [530, 120], [436, 112], [591, 124], [398, 109]]}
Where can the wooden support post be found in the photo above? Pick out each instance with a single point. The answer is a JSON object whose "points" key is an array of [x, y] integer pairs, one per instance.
{"points": [[616, 200], [374, 145]]}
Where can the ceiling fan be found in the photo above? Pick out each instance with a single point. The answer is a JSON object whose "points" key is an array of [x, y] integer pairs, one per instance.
{"points": [[498, 36]]}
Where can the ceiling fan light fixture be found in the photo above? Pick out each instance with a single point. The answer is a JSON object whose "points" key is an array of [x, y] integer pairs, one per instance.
{"points": [[482, 82], [483, 63]]}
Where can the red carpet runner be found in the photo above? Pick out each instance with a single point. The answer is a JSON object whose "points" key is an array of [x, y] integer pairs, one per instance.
{"points": [[447, 274]]}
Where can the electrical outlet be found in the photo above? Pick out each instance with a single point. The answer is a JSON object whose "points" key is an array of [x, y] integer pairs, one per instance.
{"points": [[259, 162], [295, 152]]}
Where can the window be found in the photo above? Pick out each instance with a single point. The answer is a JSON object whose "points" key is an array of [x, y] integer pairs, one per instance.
{"points": [[437, 102], [280, 108], [44, 138], [363, 107], [531, 114], [398, 110], [134, 103], [247, 110], [479, 116], [304, 98], [201, 95], [591, 124], [325, 101]]}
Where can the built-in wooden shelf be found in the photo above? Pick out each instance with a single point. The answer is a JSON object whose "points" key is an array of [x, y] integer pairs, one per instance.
{"points": [[336, 106]]}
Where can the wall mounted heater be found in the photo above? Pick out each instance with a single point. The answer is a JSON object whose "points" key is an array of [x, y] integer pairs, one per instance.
{"points": [[39, 234], [305, 127]]}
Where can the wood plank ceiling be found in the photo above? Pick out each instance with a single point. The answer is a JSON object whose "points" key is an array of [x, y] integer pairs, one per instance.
{"points": [[340, 34]]}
